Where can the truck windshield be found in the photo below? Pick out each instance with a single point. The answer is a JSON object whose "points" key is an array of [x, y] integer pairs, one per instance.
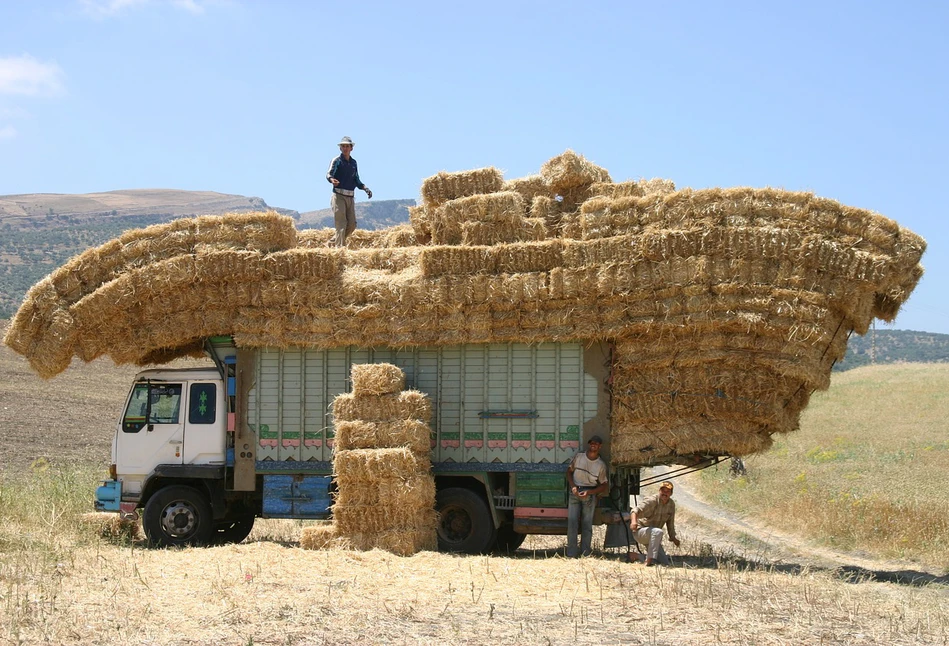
{"points": [[134, 419]]}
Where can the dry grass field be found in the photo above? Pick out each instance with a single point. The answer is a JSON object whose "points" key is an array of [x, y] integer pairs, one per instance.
{"points": [[60, 583], [867, 471]]}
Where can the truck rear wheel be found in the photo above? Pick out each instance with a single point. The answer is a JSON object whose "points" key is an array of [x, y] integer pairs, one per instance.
{"points": [[177, 516], [233, 530], [464, 523], [508, 540]]}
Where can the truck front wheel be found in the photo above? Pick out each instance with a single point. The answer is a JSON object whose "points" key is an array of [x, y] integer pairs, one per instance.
{"points": [[464, 523], [177, 516]]}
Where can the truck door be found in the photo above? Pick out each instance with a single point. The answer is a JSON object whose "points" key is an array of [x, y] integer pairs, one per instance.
{"points": [[204, 437], [152, 428]]}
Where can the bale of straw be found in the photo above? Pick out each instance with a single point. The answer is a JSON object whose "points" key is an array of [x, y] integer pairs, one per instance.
{"points": [[376, 465], [319, 537], [408, 404], [569, 171], [110, 526], [414, 491], [401, 542], [400, 235], [495, 207], [528, 187], [412, 434], [421, 220], [449, 219], [315, 238], [618, 189], [374, 519], [493, 233], [377, 379], [443, 186]]}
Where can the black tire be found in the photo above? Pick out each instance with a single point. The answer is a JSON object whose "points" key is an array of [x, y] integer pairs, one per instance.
{"points": [[232, 530], [508, 540], [177, 516], [464, 523]]}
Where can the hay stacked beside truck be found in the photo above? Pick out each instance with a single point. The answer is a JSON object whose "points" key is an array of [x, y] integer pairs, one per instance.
{"points": [[680, 325]]}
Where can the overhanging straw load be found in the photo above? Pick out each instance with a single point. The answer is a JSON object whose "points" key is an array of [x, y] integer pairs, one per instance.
{"points": [[727, 307]]}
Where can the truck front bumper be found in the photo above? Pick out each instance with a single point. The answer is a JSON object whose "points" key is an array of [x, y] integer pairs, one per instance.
{"points": [[109, 496]]}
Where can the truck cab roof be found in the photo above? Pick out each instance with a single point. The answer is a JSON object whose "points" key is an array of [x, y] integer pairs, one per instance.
{"points": [[178, 374]]}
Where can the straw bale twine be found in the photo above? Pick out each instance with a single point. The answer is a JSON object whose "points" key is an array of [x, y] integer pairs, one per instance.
{"points": [[412, 434], [444, 186], [377, 379], [570, 171]]}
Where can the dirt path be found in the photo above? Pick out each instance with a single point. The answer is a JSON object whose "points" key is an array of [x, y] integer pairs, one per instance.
{"points": [[756, 544]]}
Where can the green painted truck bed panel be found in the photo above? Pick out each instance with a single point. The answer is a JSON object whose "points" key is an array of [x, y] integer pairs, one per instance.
{"points": [[491, 403]]}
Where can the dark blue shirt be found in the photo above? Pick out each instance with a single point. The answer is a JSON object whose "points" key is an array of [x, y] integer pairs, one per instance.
{"points": [[346, 172]]}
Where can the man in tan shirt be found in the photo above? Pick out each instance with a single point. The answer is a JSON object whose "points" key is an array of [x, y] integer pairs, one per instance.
{"points": [[649, 518], [586, 479]]}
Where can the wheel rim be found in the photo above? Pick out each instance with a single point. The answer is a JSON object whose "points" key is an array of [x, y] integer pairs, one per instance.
{"points": [[455, 525], [179, 519]]}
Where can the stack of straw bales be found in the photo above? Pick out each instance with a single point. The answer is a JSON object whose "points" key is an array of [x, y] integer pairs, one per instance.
{"points": [[728, 307], [382, 462]]}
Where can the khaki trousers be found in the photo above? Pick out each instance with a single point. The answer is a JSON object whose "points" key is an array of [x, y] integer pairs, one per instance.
{"points": [[651, 539], [344, 217]]}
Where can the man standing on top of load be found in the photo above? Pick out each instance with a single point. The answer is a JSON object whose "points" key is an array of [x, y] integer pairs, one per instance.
{"points": [[647, 521], [586, 479], [344, 176]]}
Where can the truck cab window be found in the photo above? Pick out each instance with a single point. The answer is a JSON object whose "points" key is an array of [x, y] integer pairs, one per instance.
{"points": [[165, 403], [202, 404]]}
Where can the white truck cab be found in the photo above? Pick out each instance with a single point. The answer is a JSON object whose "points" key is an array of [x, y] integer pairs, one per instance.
{"points": [[172, 417]]}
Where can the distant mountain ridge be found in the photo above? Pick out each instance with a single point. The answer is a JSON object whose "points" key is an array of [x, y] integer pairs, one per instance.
{"points": [[125, 203], [378, 214]]}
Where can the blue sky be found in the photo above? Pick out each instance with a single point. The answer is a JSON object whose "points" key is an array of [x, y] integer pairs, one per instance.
{"points": [[846, 99]]}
